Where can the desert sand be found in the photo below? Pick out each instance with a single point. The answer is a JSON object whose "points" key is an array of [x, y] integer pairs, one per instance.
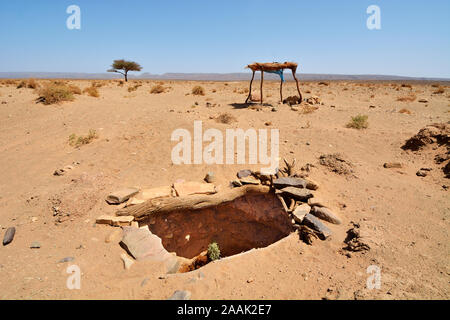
{"points": [[405, 216]]}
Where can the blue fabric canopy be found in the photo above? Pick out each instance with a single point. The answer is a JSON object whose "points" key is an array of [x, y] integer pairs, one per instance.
{"points": [[278, 72]]}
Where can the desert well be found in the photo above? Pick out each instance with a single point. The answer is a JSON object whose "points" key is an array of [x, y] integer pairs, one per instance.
{"points": [[177, 224], [247, 222]]}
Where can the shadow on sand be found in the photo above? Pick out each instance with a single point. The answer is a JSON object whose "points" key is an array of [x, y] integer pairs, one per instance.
{"points": [[247, 105]]}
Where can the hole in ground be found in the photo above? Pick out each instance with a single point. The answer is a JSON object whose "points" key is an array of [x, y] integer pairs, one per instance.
{"points": [[251, 221]]}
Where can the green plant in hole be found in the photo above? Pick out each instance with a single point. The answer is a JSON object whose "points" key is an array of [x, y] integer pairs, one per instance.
{"points": [[213, 251]]}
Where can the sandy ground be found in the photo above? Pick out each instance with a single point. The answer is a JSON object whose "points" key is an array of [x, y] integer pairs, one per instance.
{"points": [[406, 216]]}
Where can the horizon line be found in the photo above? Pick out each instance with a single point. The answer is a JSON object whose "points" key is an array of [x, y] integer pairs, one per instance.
{"points": [[143, 75]]}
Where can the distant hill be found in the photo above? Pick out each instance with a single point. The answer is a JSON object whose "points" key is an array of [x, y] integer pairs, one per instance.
{"points": [[208, 76]]}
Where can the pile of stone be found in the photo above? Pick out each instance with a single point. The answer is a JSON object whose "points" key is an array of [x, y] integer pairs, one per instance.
{"points": [[133, 196], [313, 100], [139, 242], [433, 139], [297, 198]]}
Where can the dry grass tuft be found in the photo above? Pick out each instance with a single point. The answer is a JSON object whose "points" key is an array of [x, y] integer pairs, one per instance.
{"points": [[55, 93], [92, 91], [134, 88], [226, 118], [96, 84], [157, 89], [358, 122], [440, 90], [198, 91], [74, 89], [78, 141], [30, 84], [9, 82]]}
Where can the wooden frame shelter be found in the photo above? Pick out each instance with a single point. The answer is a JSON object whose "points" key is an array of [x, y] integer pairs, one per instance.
{"points": [[272, 67]]}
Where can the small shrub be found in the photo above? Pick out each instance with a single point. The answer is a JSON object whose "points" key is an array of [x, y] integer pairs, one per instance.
{"points": [[213, 251], [92, 91], [226, 118], [120, 83], [157, 89], [198, 91], [96, 84], [59, 82], [30, 84], [22, 84], [9, 82], [358, 122], [78, 141], [53, 93], [134, 88], [74, 89], [440, 90]]}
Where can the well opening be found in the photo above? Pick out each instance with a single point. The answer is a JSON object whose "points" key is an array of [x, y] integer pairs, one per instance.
{"points": [[247, 222]]}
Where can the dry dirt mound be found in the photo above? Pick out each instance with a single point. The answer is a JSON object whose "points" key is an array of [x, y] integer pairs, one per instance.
{"points": [[433, 138], [434, 133], [336, 163]]}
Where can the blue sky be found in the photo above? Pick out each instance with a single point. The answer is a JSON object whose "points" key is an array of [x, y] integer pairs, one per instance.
{"points": [[323, 36]]}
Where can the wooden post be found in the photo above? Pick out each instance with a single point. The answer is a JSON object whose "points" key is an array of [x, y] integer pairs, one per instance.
{"points": [[281, 90], [298, 88], [250, 90], [261, 87], [192, 202]]}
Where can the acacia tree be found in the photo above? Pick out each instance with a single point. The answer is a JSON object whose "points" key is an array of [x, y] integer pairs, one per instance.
{"points": [[122, 66]]}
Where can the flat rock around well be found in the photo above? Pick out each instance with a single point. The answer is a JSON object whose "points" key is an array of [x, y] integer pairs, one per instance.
{"points": [[148, 194], [289, 182], [144, 245], [120, 196], [191, 187], [243, 173], [297, 194], [325, 214], [314, 223], [250, 180], [300, 212], [317, 201]]}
